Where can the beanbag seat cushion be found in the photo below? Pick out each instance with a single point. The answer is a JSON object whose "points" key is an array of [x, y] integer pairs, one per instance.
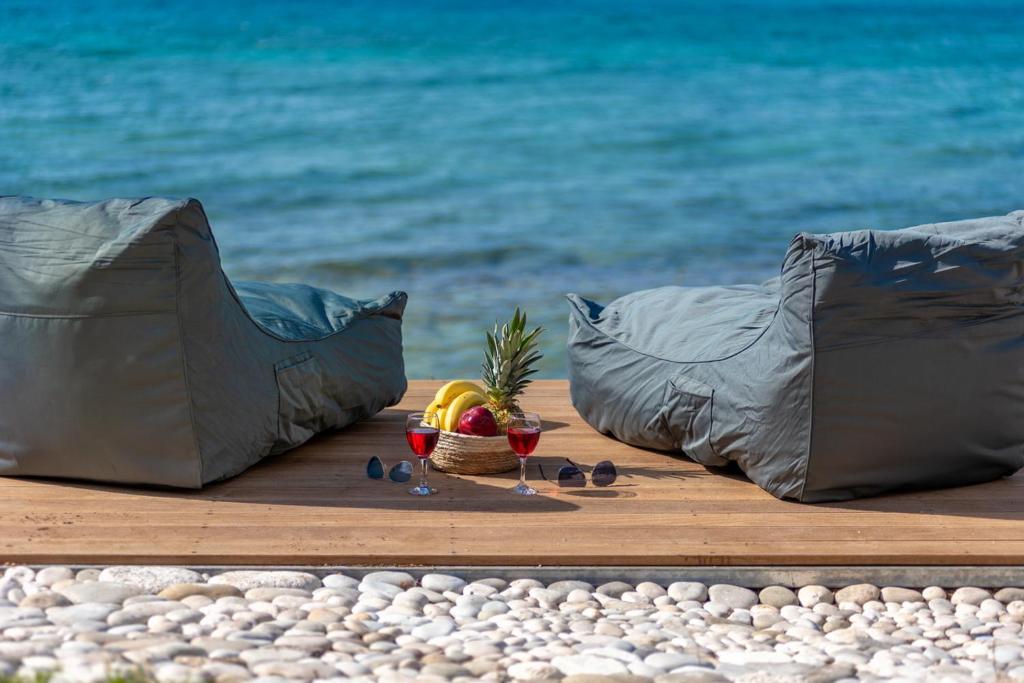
{"points": [[878, 360], [128, 356]]}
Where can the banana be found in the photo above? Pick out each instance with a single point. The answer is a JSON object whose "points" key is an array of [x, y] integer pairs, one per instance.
{"points": [[438, 410], [449, 392], [461, 404]]}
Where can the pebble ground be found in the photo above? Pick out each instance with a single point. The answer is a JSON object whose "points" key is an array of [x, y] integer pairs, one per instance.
{"points": [[174, 624]]}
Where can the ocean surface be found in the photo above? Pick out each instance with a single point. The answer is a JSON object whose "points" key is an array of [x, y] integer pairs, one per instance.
{"points": [[482, 155]]}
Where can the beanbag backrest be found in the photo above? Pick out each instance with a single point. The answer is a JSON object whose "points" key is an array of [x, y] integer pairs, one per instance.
{"points": [[128, 356], [878, 360]]}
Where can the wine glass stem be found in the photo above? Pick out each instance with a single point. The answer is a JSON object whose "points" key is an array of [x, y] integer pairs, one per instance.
{"points": [[423, 473], [522, 471]]}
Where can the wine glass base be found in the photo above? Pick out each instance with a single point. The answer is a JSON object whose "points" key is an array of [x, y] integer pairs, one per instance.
{"points": [[523, 490], [422, 491]]}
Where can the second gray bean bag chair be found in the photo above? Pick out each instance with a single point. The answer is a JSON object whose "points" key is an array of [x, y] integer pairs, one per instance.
{"points": [[876, 361], [128, 356]]}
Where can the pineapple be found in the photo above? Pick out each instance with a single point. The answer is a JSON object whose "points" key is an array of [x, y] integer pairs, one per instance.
{"points": [[511, 353]]}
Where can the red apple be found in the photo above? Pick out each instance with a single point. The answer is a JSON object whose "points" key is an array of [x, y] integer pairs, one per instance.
{"points": [[478, 421]]}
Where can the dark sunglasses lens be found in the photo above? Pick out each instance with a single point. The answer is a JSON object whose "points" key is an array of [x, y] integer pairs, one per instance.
{"points": [[402, 472], [571, 476], [375, 468], [604, 473]]}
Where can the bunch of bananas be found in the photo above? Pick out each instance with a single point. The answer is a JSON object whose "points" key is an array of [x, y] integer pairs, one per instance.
{"points": [[452, 400]]}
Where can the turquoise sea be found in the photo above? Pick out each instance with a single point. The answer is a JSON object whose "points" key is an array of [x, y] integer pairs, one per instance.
{"points": [[484, 154]]}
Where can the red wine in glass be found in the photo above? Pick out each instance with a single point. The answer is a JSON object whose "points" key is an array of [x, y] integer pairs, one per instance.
{"points": [[422, 430], [422, 440], [523, 435], [523, 440]]}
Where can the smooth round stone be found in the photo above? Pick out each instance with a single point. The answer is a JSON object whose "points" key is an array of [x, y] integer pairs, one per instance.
{"points": [[991, 606], [858, 594], [492, 608], [151, 580], [184, 615], [682, 591], [933, 593], [445, 670], [81, 613], [777, 596], [1003, 595], [1016, 609], [99, 591], [547, 597], [494, 582], [438, 609], [735, 597], [196, 601], [180, 591], [414, 597], [19, 574], [485, 590], [969, 595], [223, 672], [667, 661], [442, 582], [48, 576], [89, 574], [809, 596], [900, 595], [44, 600], [270, 594], [247, 579], [433, 629], [171, 672], [139, 613], [613, 589], [340, 581], [307, 643], [533, 671], [401, 579], [571, 665], [650, 590], [566, 587]]}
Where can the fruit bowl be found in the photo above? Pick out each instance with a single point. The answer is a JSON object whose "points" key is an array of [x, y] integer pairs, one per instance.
{"points": [[467, 454], [472, 417]]}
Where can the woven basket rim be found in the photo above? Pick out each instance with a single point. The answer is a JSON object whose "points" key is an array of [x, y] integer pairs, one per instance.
{"points": [[473, 437]]}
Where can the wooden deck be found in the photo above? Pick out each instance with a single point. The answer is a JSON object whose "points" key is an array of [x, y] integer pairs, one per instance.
{"points": [[315, 506]]}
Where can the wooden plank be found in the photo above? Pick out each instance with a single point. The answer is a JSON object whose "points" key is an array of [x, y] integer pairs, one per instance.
{"points": [[315, 506]]}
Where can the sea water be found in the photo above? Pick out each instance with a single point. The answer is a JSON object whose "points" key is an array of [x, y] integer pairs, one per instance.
{"points": [[485, 154]]}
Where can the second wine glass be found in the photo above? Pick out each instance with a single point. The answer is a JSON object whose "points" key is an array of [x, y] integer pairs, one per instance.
{"points": [[523, 436], [422, 430]]}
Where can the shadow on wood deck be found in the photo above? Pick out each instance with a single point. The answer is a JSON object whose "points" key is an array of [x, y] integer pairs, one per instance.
{"points": [[315, 506]]}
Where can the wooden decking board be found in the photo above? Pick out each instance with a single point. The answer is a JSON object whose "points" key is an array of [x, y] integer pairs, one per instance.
{"points": [[314, 506]]}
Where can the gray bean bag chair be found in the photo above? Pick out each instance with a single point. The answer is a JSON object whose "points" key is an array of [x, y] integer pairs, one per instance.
{"points": [[876, 361], [128, 356]]}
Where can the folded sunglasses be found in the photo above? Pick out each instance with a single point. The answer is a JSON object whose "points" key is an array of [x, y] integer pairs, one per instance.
{"points": [[400, 473], [571, 475]]}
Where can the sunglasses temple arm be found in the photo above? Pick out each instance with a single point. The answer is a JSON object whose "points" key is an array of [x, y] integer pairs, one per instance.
{"points": [[579, 467], [542, 475]]}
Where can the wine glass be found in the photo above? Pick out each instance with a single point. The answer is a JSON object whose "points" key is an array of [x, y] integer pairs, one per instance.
{"points": [[523, 435], [422, 431]]}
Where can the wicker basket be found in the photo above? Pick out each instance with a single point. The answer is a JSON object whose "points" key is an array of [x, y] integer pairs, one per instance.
{"points": [[466, 454]]}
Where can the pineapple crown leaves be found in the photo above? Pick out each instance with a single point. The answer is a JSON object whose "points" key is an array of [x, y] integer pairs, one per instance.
{"points": [[511, 351]]}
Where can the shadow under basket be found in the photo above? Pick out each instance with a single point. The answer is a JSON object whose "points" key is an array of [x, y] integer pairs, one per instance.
{"points": [[466, 454]]}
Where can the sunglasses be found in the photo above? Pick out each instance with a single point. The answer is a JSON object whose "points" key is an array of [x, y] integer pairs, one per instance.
{"points": [[602, 474], [400, 473]]}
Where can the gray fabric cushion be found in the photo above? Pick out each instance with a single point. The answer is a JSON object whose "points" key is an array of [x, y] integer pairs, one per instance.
{"points": [[877, 360], [128, 356]]}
